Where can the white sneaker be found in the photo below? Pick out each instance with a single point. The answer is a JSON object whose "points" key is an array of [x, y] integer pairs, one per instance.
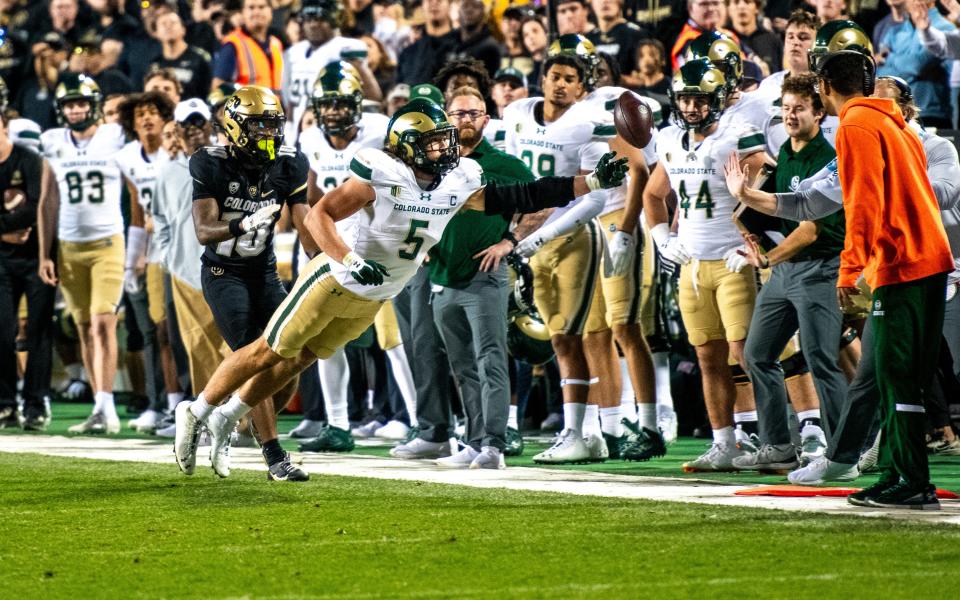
{"points": [[146, 422], [460, 460], [489, 458], [306, 429], [718, 458], [813, 443], [186, 437], [823, 470], [748, 442], [418, 448], [167, 432], [112, 424], [597, 447], [393, 430], [781, 458], [220, 428], [868, 460], [667, 424], [366, 431], [569, 448], [95, 423]]}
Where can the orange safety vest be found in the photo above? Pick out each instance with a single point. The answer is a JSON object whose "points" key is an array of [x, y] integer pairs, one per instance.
{"points": [[254, 67], [689, 33]]}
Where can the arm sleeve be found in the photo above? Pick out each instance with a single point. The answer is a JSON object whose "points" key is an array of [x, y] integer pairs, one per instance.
{"points": [[940, 43], [859, 162], [943, 169], [525, 198], [295, 169], [806, 205], [585, 209]]}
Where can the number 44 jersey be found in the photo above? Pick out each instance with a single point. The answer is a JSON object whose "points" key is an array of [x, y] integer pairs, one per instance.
{"points": [[695, 170], [240, 192], [89, 182]]}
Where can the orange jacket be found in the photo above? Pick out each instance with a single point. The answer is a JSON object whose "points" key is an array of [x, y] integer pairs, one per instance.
{"points": [[254, 67], [894, 231]]}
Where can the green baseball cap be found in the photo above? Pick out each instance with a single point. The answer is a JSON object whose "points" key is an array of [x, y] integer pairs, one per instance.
{"points": [[428, 91]]}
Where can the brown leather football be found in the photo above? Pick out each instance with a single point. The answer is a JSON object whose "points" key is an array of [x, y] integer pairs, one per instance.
{"points": [[633, 119]]}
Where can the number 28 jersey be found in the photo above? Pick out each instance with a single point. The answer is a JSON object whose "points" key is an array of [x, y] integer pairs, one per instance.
{"points": [[706, 207], [404, 221], [89, 182], [240, 192]]}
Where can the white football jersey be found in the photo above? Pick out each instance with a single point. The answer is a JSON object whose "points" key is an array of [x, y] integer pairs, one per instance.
{"points": [[751, 109], [564, 147], [404, 221], [89, 181], [496, 133], [706, 207], [26, 133], [301, 67], [141, 169]]}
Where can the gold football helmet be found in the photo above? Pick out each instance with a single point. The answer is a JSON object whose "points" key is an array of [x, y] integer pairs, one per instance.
{"points": [[253, 122]]}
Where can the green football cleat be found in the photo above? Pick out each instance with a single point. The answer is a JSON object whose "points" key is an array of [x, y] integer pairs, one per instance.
{"points": [[645, 445], [615, 445], [514, 443], [331, 439]]}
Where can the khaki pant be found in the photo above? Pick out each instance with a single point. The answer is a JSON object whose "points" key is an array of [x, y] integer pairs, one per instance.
{"points": [[155, 296], [201, 337], [565, 271], [387, 328], [91, 276]]}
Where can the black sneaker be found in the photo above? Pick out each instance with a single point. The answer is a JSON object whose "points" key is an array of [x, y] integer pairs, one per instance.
{"points": [[9, 417], [35, 421], [907, 495], [860, 498], [514, 443], [286, 471], [645, 445]]}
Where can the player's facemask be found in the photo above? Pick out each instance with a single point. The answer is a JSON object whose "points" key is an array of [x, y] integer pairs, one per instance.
{"points": [[337, 114], [445, 140], [263, 136]]}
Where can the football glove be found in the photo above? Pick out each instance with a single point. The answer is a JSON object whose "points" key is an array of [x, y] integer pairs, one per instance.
{"points": [[131, 283], [365, 272], [608, 173], [622, 248], [735, 261], [669, 245], [264, 217]]}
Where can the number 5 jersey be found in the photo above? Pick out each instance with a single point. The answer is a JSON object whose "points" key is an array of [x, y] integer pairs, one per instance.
{"points": [[89, 181]]}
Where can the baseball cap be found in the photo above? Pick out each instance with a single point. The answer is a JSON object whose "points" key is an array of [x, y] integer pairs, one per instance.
{"points": [[188, 108], [401, 90], [428, 91], [509, 73], [520, 12], [752, 71]]}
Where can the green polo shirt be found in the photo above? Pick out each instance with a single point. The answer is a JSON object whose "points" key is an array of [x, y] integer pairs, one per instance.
{"points": [[470, 231], [794, 167]]}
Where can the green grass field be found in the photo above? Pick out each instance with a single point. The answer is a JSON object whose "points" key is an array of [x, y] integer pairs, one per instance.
{"points": [[82, 529]]}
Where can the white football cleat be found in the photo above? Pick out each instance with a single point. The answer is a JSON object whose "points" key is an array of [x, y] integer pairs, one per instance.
{"points": [[460, 460], [95, 423], [823, 470], [568, 449], [597, 447], [418, 448], [489, 458], [813, 443], [187, 437], [393, 430], [146, 422], [718, 458], [667, 424], [220, 428], [366, 431], [306, 429]]}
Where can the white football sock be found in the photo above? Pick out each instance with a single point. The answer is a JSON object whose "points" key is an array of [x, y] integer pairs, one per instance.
{"points": [[235, 409], [404, 378], [813, 413], [591, 421], [648, 415], [173, 400], [661, 372], [335, 381], [724, 435], [610, 421], [103, 404], [628, 404], [573, 416], [200, 409], [512, 419]]}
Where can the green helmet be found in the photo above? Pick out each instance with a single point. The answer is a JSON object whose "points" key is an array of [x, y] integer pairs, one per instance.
{"points": [[337, 86], [698, 77], [253, 122], [76, 86], [578, 46], [836, 38], [722, 51], [413, 127]]}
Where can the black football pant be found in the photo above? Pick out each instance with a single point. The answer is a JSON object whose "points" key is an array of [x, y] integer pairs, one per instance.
{"points": [[242, 301]]}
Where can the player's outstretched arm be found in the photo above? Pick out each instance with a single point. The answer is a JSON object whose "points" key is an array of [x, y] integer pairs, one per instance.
{"points": [[738, 178]]}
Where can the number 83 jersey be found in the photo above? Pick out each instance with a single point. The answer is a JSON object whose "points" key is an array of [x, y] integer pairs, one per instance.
{"points": [[706, 207], [89, 182], [240, 192]]}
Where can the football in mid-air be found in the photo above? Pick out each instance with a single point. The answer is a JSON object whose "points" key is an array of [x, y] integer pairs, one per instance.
{"points": [[633, 119], [12, 198]]}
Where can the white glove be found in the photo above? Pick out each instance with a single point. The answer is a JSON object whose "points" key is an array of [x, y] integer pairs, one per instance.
{"points": [[131, 283], [262, 218], [529, 245], [735, 261], [669, 246], [622, 248]]}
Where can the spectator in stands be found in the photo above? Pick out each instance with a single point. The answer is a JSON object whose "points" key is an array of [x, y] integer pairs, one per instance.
{"points": [[830, 10], [617, 37], [745, 19], [380, 62], [535, 43], [200, 31], [398, 96], [191, 65], [467, 72], [87, 58], [164, 81], [474, 36], [572, 16], [508, 85], [63, 17], [923, 71], [652, 82], [35, 99], [512, 51], [421, 60], [705, 15], [249, 54]]}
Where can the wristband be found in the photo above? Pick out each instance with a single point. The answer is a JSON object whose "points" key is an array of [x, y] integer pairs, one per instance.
{"points": [[508, 235], [236, 229]]}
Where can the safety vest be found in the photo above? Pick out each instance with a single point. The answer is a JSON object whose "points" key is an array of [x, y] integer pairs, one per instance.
{"points": [[254, 67], [689, 33]]}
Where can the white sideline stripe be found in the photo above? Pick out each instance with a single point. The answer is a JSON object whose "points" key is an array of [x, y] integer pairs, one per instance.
{"points": [[914, 408], [581, 483]]}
